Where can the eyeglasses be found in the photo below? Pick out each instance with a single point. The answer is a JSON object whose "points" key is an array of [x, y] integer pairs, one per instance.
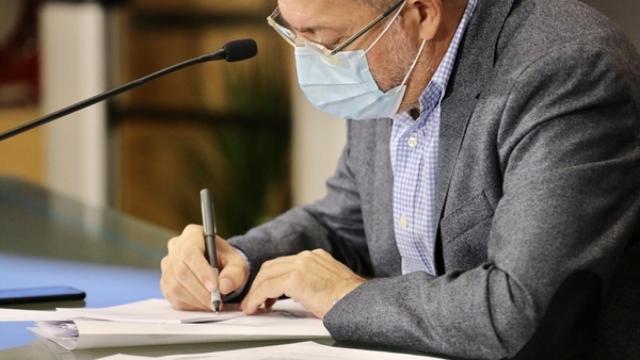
{"points": [[276, 21]]}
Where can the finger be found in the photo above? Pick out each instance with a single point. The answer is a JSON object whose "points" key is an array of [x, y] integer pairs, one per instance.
{"points": [[274, 268], [269, 289], [171, 244], [280, 268], [179, 297], [191, 230], [189, 281], [202, 271], [322, 253], [224, 251], [233, 276], [189, 247], [179, 305]]}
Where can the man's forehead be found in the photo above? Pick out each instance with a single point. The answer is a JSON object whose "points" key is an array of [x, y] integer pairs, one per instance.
{"points": [[321, 14]]}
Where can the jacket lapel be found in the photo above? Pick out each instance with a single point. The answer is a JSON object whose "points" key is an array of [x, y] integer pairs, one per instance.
{"points": [[473, 68], [383, 184]]}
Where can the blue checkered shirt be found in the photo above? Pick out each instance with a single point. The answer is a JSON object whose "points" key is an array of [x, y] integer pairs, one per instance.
{"points": [[414, 160]]}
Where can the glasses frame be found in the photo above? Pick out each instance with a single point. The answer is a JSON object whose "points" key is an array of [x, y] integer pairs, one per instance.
{"points": [[289, 36]]}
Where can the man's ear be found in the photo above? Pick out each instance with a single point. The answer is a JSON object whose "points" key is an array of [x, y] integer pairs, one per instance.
{"points": [[426, 15]]}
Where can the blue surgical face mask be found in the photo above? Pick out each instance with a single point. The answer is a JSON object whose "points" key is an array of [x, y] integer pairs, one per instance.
{"points": [[343, 86]]}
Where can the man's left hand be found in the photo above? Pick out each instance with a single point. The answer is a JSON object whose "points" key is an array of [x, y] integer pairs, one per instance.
{"points": [[313, 278]]}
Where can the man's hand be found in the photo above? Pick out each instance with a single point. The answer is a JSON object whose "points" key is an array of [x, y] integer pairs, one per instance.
{"points": [[313, 278], [187, 278]]}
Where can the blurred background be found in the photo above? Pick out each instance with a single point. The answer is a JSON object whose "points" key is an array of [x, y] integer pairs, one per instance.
{"points": [[244, 130]]}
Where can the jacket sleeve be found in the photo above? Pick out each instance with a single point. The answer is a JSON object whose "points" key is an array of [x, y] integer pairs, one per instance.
{"points": [[568, 144], [333, 223]]}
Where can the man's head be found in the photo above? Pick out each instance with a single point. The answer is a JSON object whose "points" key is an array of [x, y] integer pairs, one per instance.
{"points": [[330, 22]]}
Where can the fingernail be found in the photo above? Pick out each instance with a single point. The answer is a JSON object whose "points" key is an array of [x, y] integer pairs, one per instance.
{"points": [[209, 286], [226, 285]]}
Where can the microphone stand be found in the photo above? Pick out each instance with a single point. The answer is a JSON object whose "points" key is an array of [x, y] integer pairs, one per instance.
{"points": [[216, 55], [232, 51]]}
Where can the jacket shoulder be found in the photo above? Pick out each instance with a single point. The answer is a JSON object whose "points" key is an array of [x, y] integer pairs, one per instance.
{"points": [[536, 28]]}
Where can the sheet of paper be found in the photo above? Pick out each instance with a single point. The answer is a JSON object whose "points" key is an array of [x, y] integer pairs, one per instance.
{"points": [[288, 321], [151, 311], [15, 315], [297, 351]]}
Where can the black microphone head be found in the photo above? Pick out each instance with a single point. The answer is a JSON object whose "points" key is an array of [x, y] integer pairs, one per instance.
{"points": [[239, 50]]}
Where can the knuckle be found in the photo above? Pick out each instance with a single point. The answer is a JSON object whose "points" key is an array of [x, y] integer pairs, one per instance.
{"points": [[172, 288], [169, 288], [164, 264], [192, 228], [171, 244], [258, 279], [267, 264], [319, 252]]}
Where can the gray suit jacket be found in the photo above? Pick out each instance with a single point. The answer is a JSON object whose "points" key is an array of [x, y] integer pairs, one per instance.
{"points": [[538, 177]]}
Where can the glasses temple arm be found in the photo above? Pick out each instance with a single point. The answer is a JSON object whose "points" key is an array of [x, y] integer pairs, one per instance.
{"points": [[373, 23]]}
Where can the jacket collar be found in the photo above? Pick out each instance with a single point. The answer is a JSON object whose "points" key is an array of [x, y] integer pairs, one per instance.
{"points": [[473, 68]]}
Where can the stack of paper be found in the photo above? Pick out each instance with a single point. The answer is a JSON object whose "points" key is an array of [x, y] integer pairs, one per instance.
{"points": [[298, 351], [154, 322]]}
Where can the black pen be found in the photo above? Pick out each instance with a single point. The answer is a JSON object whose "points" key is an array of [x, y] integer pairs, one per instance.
{"points": [[209, 226]]}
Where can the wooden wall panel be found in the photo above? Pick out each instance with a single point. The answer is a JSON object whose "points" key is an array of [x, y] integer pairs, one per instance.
{"points": [[219, 125], [213, 6], [157, 183], [22, 156]]}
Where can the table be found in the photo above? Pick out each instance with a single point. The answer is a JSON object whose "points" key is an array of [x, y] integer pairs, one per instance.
{"points": [[47, 239]]}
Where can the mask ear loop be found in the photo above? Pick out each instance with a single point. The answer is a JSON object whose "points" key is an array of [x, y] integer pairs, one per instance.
{"points": [[386, 28], [415, 63]]}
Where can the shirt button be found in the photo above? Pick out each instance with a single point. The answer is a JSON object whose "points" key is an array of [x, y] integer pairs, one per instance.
{"points": [[413, 141], [404, 223]]}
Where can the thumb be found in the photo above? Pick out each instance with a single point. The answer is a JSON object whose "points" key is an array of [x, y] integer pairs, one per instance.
{"points": [[233, 277]]}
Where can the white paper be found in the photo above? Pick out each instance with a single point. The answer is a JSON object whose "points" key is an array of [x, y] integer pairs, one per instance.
{"points": [[15, 315], [152, 311], [288, 320], [297, 351]]}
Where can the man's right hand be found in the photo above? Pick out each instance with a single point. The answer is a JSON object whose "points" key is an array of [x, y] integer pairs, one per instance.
{"points": [[187, 278]]}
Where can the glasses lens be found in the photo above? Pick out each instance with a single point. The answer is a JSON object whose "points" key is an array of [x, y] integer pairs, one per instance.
{"points": [[282, 27]]}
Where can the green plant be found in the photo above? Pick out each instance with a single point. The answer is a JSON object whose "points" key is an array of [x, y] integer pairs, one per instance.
{"points": [[250, 184]]}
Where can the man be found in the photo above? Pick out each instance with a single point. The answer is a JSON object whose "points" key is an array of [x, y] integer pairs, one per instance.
{"points": [[493, 151]]}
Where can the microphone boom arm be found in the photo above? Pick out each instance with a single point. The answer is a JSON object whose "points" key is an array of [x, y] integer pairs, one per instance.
{"points": [[220, 54]]}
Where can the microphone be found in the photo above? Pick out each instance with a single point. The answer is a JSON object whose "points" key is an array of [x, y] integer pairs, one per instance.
{"points": [[239, 50], [233, 51]]}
